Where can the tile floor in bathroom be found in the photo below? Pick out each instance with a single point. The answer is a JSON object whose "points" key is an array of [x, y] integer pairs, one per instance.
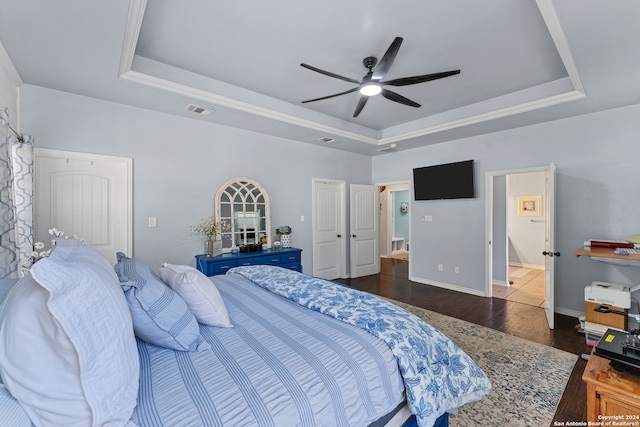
{"points": [[527, 287]]}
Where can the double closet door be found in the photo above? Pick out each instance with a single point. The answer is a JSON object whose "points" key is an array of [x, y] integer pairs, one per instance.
{"points": [[333, 241]]}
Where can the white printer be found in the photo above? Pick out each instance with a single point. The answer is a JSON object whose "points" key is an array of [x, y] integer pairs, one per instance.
{"points": [[608, 294]]}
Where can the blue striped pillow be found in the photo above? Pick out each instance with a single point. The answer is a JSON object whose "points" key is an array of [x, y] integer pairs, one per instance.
{"points": [[160, 316]]}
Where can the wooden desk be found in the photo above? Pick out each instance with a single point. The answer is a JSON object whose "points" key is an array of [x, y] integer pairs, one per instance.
{"points": [[607, 255], [611, 392]]}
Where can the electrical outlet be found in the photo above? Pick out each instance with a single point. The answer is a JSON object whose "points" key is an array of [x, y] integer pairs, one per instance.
{"points": [[428, 218], [440, 267], [456, 269]]}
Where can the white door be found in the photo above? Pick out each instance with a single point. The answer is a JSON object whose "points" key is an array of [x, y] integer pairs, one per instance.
{"points": [[328, 229], [84, 194], [549, 244], [364, 225]]}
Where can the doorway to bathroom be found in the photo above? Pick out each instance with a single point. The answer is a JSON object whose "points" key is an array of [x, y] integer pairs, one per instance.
{"points": [[525, 228], [394, 221]]}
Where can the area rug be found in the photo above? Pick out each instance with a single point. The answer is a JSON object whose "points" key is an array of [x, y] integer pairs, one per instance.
{"points": [[527, 378]]}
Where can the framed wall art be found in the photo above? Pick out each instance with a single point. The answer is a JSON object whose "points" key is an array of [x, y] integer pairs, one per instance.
{"points": [[529, 205]]}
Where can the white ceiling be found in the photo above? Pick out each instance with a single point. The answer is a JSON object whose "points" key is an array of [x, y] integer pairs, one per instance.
{"points": [[522, 62]]}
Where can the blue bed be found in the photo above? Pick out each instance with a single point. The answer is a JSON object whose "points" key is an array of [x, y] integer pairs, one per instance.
{"points": [[298, 351], [280, 364]]}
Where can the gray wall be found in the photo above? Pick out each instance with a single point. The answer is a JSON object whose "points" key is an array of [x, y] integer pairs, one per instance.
{"points": [[596, 156], [179, 164]]}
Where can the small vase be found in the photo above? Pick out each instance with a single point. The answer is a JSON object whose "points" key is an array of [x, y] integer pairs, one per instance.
{"points": [[208, 248], [285, 239]]}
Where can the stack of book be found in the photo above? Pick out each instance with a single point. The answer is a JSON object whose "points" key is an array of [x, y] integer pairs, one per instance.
{"points": [[595, 243]]}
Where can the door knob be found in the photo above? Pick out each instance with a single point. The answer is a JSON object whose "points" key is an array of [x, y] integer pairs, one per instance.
{"points": [[551, 254], [353, 235], [339, 235]]}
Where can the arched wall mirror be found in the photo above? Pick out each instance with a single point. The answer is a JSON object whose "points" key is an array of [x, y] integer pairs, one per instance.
{"points": [[243, 205]]}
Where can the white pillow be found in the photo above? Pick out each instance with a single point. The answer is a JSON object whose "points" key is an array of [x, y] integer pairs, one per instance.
{"points": [[67, 348], [200, 293]]}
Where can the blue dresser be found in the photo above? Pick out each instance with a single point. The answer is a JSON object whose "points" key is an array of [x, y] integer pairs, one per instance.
{"points": [[213, 266]]}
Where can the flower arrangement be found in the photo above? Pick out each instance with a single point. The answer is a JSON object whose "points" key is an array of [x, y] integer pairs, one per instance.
{"points": [[285, 229], [209, 227], [38, 253]]}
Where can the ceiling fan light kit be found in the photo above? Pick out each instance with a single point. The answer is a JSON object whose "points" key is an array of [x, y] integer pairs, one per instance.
{"points": [[371, 84], [370, 89]]}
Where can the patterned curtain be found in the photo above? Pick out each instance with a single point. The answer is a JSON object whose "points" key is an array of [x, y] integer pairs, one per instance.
{"points": [[16, 200]]}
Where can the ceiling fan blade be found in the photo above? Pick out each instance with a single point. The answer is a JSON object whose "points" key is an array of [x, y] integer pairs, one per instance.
{"points": [[404, 81], [330, 74], [331, 96], [360, 106], [387, 60], [399, 98]]}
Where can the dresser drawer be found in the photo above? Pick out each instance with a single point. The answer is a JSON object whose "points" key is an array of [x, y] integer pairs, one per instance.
{"points": [[214, 268], [293, 266], [291, 257], [260, 260]]}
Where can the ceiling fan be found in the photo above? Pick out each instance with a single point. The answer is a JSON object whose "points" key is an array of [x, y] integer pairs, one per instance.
{"points": [[371, 84]]}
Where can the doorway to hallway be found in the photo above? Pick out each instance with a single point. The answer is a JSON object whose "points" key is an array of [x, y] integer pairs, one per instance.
{"points": [[394, 220]]}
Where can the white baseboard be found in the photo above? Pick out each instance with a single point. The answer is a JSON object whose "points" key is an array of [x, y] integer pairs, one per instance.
{"points": [[524, 265], [449, 286], [568, 312], [501, 283]]}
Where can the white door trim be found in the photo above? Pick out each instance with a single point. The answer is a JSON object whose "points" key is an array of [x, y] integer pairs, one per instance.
{"points": [[389, 224], [489, 225]]}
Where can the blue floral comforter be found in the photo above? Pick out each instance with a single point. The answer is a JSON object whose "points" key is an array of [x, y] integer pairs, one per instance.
{"points": [[438, 376]]}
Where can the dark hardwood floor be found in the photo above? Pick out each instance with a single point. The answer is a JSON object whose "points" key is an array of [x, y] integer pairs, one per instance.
{"points": [[510, 317]]}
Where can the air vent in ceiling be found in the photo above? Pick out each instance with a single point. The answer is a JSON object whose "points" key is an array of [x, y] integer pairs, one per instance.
{"points": [[390, 149], [198, 110], [327, 139]]}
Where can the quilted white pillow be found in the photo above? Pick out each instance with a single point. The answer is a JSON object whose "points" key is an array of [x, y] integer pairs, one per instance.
{"points": [[67, 348], [200, 293]]}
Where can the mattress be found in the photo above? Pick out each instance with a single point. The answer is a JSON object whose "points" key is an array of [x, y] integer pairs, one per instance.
{"points": [[280, 365]]}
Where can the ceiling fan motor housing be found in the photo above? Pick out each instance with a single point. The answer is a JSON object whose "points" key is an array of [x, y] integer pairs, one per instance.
{"points": [[370, 62]]}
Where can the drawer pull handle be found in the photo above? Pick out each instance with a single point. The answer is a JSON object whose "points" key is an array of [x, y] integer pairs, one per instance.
{"points": [[224, 267], [274, 260], [292, 257], [247, 263]]}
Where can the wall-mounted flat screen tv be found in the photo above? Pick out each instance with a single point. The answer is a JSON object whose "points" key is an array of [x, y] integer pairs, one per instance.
{"points": [[447, 181]]}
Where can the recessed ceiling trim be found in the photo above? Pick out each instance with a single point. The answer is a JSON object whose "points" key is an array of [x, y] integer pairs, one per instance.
{"points": [[550, 18], [496, 114], [131, 34], [547, 10], [213, 98]]}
